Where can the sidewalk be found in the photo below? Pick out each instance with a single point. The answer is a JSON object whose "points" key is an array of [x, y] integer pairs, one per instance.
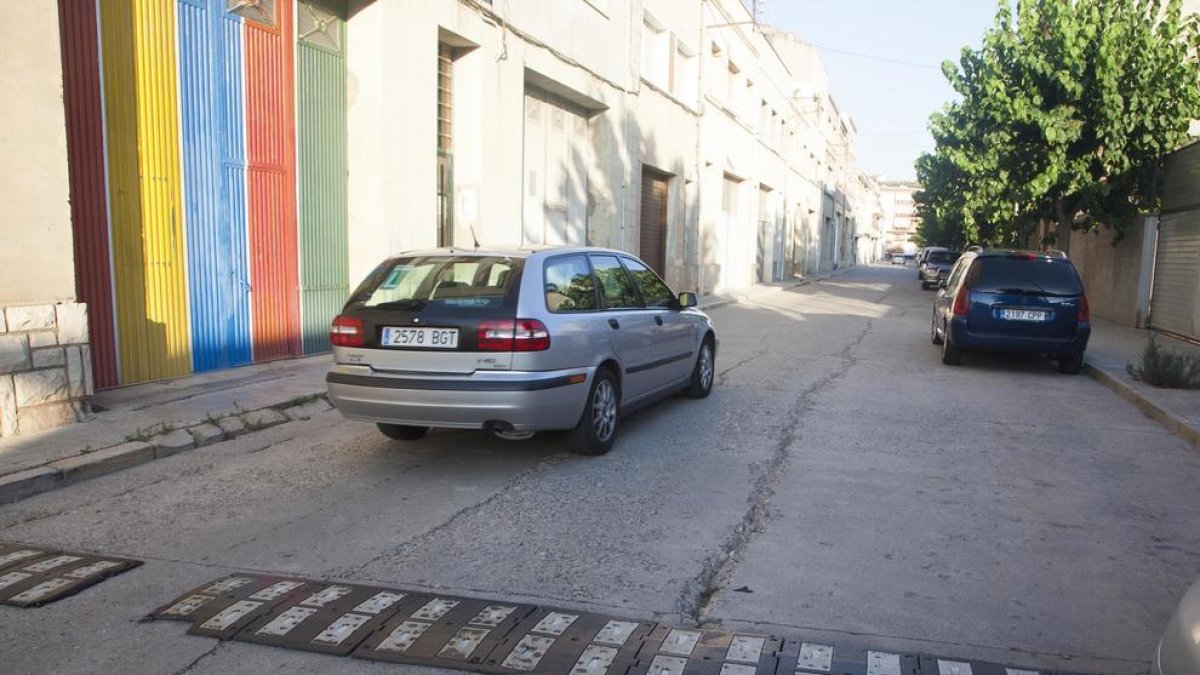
{"points": [[144, 422], [1113, 346]]}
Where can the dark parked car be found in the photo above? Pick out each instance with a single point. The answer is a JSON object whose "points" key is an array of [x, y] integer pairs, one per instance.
{"points": [[1012, 301], [936, 267]]}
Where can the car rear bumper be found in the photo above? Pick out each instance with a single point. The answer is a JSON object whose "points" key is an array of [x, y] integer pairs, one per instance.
{"points": [[963, 338], [527, 401]]}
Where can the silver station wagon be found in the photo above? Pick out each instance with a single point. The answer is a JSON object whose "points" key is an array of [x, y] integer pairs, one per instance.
{"points": [[514, 342]]}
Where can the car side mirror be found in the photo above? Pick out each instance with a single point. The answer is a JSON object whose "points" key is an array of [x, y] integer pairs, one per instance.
{"points": [[941, 283], [687, 299]]}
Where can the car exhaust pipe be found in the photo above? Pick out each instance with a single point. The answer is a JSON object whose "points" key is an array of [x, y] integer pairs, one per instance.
{"points": [[504, 431]]}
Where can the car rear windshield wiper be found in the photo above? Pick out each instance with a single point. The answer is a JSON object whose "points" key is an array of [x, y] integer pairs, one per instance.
{"points": [[411, 304]]}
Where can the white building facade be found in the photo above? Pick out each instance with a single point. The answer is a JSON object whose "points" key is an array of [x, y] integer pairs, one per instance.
{"points": [[673, 130]]}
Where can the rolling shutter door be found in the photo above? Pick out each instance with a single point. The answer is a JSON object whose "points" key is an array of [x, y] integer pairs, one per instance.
{"points": [[652, 248], [1173, 303]]}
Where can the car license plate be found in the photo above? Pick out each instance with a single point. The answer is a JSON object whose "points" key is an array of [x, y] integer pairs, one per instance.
{"points": [[1023, 315], [430, 338]]}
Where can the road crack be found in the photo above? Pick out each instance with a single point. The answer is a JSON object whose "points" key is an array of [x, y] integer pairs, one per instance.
{"points": [[196, 661], [700, 592], [414, 543]]}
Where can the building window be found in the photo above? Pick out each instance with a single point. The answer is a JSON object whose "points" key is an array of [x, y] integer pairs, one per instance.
{"points": [[261, 11], [318, 26], [731, 85], [685, 74], [656, 53], [445, 144]]}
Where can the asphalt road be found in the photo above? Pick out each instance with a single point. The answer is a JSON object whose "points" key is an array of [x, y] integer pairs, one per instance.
{"points": [[839, 484]]}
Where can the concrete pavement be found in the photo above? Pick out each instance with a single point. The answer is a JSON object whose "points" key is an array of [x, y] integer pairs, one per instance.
{"points": [[1113, 347], [839, 485], [144, 422]]}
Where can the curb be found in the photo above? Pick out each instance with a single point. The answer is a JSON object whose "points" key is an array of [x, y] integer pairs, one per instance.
{"points": [[134, 451], [1168, 419]]}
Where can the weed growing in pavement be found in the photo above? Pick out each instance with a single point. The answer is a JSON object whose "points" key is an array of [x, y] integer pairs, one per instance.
{"points": [[1167, 369], [146, 433], [298, 400]]}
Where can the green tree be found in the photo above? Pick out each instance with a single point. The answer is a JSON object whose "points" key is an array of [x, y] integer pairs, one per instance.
{"points": [[1064, 114]]}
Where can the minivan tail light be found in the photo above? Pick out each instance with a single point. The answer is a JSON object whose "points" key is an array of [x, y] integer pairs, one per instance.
{"points": [[1085, 311], [347, 331], [961, 303], [520, 335]]}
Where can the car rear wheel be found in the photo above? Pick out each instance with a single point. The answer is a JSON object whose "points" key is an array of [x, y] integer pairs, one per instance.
{"points": [[951, 354], [597, 428], [1070, 364], [402, 432], [703, 373]]}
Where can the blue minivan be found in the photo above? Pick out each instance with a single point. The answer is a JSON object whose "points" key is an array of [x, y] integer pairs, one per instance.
{"points": [[1012, 301]]}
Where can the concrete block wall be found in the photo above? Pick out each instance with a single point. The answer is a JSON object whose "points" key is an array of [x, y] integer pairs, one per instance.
{"points": [[45, 367]]}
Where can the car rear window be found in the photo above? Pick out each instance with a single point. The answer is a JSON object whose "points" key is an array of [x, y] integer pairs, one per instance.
{"points": [[1026, 275], [942, 257], [451, 281]]}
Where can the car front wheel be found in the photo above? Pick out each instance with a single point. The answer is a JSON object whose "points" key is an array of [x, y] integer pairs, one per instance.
{"points": [[597, 427], [402, 432], [703, 373], [933, 334]]}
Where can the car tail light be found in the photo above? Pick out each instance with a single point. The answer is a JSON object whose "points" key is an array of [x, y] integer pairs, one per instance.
{"points": [[1085, 312], [347, 331], [961, 302], [521, 335]]}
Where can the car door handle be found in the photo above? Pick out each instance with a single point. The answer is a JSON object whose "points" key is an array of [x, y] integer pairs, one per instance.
{"points": [[658, 320], [614, 323]]}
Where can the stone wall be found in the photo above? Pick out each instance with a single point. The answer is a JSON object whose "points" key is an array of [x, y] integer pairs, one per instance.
{"points": [[45, 367]]}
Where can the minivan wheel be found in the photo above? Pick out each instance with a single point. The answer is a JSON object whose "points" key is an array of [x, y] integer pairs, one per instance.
{"points": [[951, 354], [1070, 364], [703, 373], [402, 432], [597, 428]]}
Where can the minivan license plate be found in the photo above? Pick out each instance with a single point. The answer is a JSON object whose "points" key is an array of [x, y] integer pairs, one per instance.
{"points": [[1023, 315], [430, 338]]}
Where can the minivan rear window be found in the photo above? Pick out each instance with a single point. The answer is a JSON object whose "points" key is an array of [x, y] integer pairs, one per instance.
{"points": [[1022, 275], [450, 281]]}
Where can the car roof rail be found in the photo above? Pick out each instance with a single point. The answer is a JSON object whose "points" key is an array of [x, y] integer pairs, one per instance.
{"points": [[1055, 253]]}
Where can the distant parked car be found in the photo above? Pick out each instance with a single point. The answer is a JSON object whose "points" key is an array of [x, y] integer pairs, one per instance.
{"points": [[923, 256], [514, 342], [1178, 651], [1012, 301], [936, 267], [898, 259]]}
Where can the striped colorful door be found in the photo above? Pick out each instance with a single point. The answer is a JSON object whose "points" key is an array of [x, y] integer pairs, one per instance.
{"points": [[210, 65], [89, 199], [321, 113], [270, 144], [142, 122]]}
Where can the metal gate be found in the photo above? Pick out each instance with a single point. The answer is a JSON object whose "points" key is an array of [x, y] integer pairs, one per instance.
{"points": [[556, 183], [1173, 302], [321, 115], [653, 224]]}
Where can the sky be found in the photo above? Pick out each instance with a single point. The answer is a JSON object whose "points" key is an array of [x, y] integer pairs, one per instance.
{"points": [[889, 102]]}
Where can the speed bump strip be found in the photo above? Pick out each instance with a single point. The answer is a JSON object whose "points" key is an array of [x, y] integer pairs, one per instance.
{"points": [[31, 576], [499, 638]]}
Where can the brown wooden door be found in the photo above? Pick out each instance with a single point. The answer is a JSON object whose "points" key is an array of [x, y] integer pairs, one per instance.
{"points": [[653, 240]]}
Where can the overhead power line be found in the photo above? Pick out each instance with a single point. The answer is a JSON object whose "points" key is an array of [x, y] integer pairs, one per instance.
{"points": [[899, 62]]}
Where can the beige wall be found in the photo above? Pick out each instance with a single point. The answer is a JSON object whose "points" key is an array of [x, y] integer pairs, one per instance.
{"points": [[36, 258], [1110, 273]]}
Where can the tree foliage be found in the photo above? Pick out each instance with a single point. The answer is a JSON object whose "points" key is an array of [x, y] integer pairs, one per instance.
{"points": [[1064, 114]]}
